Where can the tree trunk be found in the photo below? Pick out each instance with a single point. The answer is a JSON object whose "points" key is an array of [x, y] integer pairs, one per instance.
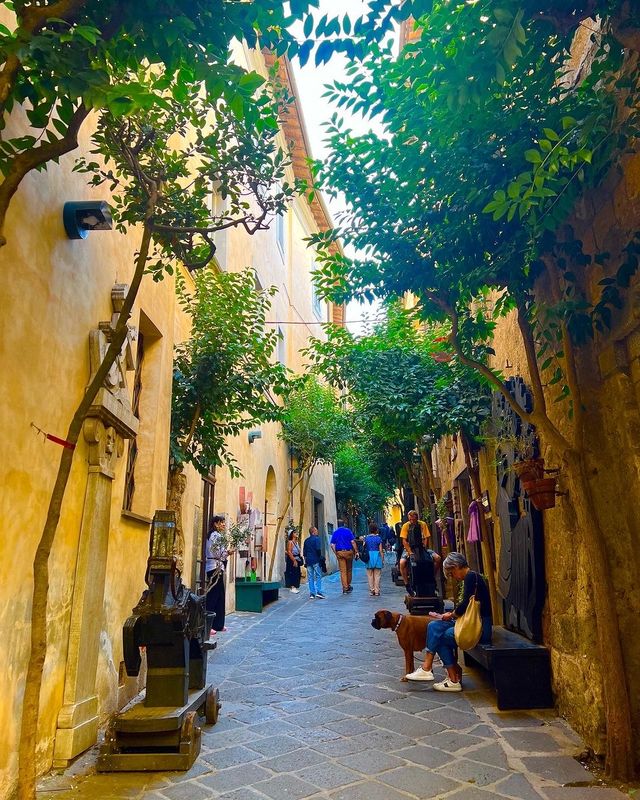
{"points": [[274, 549], [279, 521], [414, 484], [40, 598], [619, 763], [304, 488], [428, 480]]}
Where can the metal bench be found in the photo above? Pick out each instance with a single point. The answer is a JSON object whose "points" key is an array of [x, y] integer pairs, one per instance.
{"points": [[255, 595], [521, 669]]}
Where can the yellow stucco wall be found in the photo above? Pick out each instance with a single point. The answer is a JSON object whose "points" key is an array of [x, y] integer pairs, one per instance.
{"points": [[53, 293], [58, 290]]}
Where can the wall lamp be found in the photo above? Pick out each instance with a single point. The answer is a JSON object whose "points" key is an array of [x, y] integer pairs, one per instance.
{"points": [[253, 435], [80, 217]]}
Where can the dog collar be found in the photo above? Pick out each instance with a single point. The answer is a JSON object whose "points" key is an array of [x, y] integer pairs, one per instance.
{"points": [[400, 618]]}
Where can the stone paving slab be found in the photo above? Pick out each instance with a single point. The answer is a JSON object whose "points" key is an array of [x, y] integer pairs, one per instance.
{"points": [[562, 769], [372, 762], [418, 782], [313, 710], [472, 772], [518, 786], [530, 740], [329, 776], [425, 756]]}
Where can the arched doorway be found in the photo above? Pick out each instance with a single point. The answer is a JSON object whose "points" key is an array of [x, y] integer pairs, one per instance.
{"points": [[270, 520]]}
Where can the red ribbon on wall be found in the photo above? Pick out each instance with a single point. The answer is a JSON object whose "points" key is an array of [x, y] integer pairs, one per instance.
{"points": [[62, 442], [52, 438]]}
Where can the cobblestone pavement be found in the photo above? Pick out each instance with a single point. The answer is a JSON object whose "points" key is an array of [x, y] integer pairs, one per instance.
{"points": [[313, 708]]}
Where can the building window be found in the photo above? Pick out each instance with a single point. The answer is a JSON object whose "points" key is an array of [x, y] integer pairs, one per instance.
{"points": [[282, 347], [130, 479], [218, 208], [280, 233], [317, 304]]}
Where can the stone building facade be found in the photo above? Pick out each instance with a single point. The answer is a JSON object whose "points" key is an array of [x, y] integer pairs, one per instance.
{"points": [[604, 222]]}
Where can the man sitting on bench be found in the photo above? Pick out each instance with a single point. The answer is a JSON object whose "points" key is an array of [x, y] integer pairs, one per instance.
{"points": [[415, 536]]}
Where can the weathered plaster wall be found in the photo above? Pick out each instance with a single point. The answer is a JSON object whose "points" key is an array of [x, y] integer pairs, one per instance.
{"points": [[55, 291]]}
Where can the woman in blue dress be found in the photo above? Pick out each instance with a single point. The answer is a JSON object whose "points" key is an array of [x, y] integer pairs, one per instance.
{"points": [[373, 545]]}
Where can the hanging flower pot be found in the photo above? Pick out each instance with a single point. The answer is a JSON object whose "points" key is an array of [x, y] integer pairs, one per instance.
{"points": [[530, 469], [541, 492]]}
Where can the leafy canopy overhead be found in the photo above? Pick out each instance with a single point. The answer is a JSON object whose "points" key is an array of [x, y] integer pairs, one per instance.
{"points": [[62, 59], [399, 380], [361, 487], [314, 424], [490, 139], [176, 156]]}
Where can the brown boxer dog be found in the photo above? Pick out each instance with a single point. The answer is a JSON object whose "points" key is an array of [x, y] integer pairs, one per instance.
{"points": [[411, 633]]}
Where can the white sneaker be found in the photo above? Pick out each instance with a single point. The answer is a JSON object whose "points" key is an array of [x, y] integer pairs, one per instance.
{"points": [[420, 675], [447, 685], [294, 590]]}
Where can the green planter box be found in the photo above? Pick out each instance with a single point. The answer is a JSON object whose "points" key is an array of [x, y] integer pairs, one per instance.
{"points": [[255, 595]]}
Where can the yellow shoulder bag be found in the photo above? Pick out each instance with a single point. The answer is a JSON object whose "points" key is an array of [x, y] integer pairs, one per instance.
{"points": [[468, 628]]}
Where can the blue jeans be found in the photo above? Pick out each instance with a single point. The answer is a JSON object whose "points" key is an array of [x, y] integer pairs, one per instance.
{"points": [[314, 578], [441, 639]]}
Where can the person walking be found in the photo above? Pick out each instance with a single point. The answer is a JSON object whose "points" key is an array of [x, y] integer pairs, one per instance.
{"points": [[292, 573], [440, 632], [373, 546], [312, 552], [387, 536], [216, 557], [343, 544]]}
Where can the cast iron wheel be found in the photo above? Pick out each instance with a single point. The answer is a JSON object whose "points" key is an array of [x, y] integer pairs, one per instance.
{"points": [[212, 706]]}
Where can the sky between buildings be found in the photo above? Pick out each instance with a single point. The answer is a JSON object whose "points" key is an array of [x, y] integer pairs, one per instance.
{"points": [[311, 81]]}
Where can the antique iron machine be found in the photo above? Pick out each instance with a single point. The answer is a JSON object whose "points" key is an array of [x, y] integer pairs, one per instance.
{"points": [[160, 732]]}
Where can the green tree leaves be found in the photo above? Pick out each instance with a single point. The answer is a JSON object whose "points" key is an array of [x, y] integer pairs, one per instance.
{"points": [[314, 423], [125, 59], [225, 378]]}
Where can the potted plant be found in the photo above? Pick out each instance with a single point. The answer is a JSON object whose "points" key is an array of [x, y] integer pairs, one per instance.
{"points": [[529, 469], [541, 492]]}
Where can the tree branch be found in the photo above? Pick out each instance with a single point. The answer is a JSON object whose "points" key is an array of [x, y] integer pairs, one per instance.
{"points": [[30, 20], [478, 366], [539, 401], [24, 162], [192, 427]]}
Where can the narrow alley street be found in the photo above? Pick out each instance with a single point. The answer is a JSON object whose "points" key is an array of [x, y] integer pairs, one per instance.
{"points": [[313, 708]]}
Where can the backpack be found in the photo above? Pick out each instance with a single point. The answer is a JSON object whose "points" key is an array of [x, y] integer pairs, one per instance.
{"points": [[414, 537], [364, 553]]}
